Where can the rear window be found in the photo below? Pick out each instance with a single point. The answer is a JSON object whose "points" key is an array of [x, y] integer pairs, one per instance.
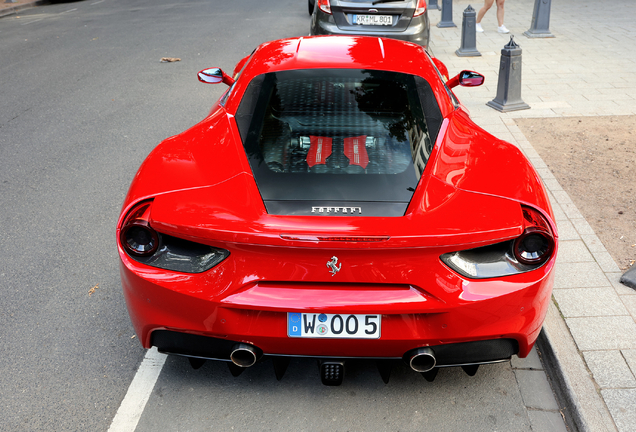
{"points": [[351, 130]]}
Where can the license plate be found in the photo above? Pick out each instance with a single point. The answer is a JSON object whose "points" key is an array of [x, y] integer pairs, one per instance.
{"points": [[373, 19], [334, 326]]}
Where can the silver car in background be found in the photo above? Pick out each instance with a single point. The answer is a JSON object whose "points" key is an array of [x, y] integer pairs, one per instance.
{"points": [[399, 19]]}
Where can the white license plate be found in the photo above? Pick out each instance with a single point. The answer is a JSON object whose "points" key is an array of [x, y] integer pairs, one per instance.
{"points": [[334, 326], [373, 19]]}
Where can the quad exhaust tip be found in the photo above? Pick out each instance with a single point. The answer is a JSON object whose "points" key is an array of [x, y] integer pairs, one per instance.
{"points": [[421, 359], [244, 355]]}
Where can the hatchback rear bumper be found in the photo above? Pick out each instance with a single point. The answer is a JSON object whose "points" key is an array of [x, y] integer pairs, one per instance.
{"points": [[418, 33]]}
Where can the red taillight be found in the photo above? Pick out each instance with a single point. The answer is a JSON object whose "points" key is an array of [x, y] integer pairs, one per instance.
{"points": [[137, 236], [421, 8], [536, 244], [324, 6]]}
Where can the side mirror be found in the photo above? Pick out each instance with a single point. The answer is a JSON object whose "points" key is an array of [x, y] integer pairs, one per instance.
{"points": [[466, 79], [214, 76]]}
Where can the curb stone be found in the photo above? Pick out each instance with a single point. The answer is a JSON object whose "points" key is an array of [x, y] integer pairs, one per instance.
{"points": [[575, 388]]}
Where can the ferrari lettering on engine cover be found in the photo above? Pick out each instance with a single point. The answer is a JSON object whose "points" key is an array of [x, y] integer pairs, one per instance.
{"points": [[346, 210]]}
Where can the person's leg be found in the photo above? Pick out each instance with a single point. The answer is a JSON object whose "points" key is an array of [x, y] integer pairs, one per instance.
{"points": [[483, 10], [500, 17], [500, 12]]}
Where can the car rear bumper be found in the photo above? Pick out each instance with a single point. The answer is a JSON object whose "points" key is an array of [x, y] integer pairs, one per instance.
{"points": [[454, 354], [418, 32], [256, 314]]}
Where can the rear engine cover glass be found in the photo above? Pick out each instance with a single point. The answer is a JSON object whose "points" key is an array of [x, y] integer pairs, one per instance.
{"points": [[337, 137]]}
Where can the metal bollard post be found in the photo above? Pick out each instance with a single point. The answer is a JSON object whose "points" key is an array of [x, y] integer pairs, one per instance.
{"points": [[468, 47], [540, 26], [432, 4], [447, 15], [509, 85]]}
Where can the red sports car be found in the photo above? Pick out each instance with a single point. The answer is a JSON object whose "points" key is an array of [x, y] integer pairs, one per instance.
{"points": [[338, 203]]}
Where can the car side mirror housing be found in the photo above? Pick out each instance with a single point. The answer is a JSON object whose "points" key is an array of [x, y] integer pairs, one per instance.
{"points": [[214, 76], [466, 79]]}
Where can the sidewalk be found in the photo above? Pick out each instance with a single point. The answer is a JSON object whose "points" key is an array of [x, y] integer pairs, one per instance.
{"points": [[12, 8], [586, 70], [20, 5]]}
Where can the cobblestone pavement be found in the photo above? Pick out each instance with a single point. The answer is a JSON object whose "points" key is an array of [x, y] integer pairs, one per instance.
{"points": [[585, 70], [14, 6]]}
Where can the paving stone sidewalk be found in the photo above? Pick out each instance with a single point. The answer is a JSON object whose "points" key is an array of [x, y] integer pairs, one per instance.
{"points": [[585, 70], [18, 5]]}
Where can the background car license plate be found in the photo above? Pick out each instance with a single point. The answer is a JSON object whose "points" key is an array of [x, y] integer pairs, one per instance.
{"points": [[373, 19], [345, 326]]}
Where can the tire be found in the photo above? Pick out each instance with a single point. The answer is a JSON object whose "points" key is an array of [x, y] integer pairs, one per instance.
{"points": [[310, 5]]}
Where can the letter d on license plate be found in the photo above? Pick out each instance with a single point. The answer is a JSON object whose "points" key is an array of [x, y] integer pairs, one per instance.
{"points": [[334, 326]]}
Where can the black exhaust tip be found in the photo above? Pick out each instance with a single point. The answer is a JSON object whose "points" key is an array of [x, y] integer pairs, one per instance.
{"points": [[331, 372]]}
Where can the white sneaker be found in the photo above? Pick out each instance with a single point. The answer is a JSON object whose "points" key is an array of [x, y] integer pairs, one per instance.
{"points": [[479, 28], [503, 29]]}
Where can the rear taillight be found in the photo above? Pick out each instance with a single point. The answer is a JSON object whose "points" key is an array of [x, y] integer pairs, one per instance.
{"points": [[137, 236], [528, 252], [147, 246], [324, 6], [420, 9], [536, 244]]}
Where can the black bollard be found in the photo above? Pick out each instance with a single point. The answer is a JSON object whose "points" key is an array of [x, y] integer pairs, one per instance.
{"points": [[468, 47], [447, 15], [629, 278], [432, 4], [540, 26], [509, 84]]}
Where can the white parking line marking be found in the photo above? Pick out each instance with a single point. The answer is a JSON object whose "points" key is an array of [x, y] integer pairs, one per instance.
{"points": [[134, 402]]}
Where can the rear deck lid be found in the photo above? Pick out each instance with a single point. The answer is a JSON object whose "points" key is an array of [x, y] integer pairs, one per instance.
{"points": [[338, 142]]}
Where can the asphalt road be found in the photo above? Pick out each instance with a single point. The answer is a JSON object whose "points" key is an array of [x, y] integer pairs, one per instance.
{"points": [[84, 99]]}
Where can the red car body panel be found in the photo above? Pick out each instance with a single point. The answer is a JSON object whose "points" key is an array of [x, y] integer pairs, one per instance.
{"points": [[469, 195], [469, 157]]}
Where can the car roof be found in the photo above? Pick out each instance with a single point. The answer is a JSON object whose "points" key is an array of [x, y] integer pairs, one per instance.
{"points": [[341, 52], [348, 52]]}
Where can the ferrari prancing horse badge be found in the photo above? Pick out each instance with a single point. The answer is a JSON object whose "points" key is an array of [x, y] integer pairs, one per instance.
{"points": [[333, 265]]}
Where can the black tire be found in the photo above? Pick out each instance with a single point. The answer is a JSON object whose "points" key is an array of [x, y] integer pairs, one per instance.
{"points": [[310, 4]]}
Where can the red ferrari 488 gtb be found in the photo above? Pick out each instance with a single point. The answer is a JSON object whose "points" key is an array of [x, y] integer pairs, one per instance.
{"points": [[338, 203]]}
